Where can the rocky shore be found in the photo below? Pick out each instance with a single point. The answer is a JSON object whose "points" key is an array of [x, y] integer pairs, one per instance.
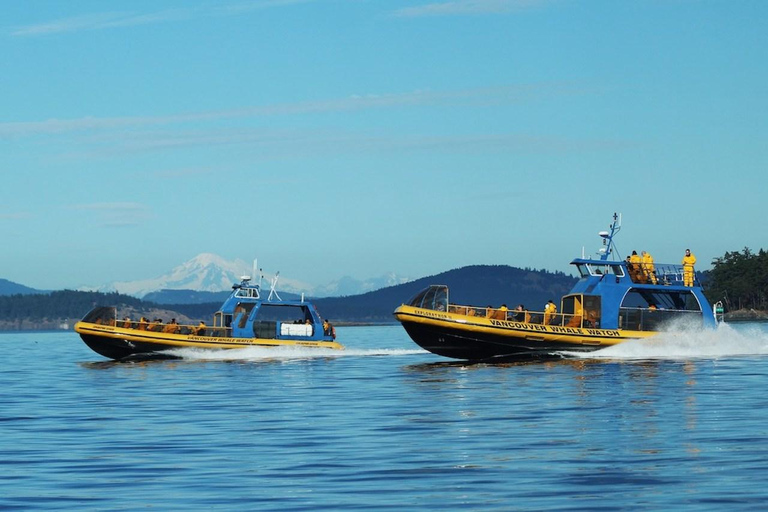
{"points": [[746, 315]]}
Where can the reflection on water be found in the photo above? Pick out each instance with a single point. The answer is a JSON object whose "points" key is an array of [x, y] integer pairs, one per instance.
{"points": [[385, 425]]}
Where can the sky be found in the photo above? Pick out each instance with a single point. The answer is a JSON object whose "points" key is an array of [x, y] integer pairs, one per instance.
{"points": [[333, 138]]}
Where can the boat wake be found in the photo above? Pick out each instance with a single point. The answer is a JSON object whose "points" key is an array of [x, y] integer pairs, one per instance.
{"points": [[282, 353], [682, 341]]}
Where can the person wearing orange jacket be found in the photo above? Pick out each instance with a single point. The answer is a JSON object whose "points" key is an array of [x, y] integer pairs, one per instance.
{"points": [[636, 261], [549, 312], [689, 260], [648, 269]]}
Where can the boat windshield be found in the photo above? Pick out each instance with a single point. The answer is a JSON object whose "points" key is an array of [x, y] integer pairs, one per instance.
{"points": [[105, 315], [599, 269], [434, 297]]}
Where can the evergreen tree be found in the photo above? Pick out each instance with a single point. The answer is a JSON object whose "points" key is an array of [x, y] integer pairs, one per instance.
{"points": [[740, 279]]}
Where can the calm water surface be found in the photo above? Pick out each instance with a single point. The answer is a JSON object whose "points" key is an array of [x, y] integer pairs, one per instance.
{"points": [[678, 422]]}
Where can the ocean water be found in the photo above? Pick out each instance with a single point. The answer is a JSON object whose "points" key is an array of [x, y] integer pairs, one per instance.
{"points": [[675, 422]]}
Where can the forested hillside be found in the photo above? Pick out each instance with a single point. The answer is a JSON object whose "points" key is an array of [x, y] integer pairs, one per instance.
{"points": [[740, 280], [10, 288], [478, 285]]}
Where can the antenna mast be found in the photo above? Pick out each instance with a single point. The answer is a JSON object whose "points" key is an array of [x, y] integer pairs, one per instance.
{"points": [[272, 290], [608, 245]]}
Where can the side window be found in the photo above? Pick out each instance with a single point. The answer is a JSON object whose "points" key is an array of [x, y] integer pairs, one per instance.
{"points": [[417, 300], [441, 299], [429, 299]]}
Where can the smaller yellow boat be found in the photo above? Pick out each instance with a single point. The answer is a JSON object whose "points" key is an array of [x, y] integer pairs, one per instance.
{"points": [[244, 320]]}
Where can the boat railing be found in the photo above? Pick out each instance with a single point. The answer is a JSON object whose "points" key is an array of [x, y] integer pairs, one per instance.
{"points": [[646, 319], [528, 317], [663, 273], [170, 328]]}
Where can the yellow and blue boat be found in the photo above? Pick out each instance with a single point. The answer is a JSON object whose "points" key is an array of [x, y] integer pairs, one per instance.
{"points": [[613, 301], [245, 319]]}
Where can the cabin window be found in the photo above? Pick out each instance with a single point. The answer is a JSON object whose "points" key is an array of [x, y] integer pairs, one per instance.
{"points": [[435, 297], [418, 299], [581, 310], [104, 315], [283, 313], [677, 300], [599, 269], [247, 292], [647, 310], [242, 312]]}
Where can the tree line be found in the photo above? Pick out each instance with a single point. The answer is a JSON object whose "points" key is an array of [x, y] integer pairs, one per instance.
{"points": [[59, 304], [478, 285], [740, 280]]}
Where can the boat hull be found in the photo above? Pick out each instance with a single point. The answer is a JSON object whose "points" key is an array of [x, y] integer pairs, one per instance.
{"points": [[483, 339], [120, 343]]}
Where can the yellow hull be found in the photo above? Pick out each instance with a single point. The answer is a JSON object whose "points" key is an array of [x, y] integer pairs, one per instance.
{"points": [[119, 342], [479, 338]]}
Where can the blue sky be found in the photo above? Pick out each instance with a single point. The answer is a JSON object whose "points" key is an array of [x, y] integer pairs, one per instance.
{"points": [[357, 137]]}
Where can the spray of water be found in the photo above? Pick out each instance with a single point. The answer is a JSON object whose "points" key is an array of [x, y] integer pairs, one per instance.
{"points": [[282, 353], [685, 341]]}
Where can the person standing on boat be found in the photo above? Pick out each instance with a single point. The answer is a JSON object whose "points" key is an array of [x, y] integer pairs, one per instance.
{"points": [[549, 311], [636, 261], [328, 329], [648, 268], [689, 260]]}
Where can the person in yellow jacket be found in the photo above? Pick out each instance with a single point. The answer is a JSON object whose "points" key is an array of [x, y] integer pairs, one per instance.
{"points": [[636, 262], [648, 269], [689, 260], [549, 311]]}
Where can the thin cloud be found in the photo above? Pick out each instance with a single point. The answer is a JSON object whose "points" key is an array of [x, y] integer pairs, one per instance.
{"points": [[116, 19], [15, 216], [468, 7], [475, 97], [113, 207], [290, 144], [117, 215], [184, 173]]}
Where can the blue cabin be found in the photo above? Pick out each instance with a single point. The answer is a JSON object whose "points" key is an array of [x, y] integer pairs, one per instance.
{"points": [[611, 299], [623, 295], [245, 314]]}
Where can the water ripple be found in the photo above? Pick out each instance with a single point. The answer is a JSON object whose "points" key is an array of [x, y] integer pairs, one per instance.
{"points": [[385, 426]]}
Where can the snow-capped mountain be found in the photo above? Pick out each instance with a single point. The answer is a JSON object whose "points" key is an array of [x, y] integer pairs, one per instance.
{"points": [[350, 286], [212, 273], [205, 272]]}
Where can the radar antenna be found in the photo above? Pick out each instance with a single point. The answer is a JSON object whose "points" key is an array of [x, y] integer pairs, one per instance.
{"points": [[608, 245]]}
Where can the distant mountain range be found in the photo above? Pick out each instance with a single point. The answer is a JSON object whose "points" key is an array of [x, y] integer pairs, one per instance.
{"points": [[205, 274], [10, 288], [478, 285]]}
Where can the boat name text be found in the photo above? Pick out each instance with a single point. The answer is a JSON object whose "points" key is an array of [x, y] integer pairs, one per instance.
{"points": [[554, 329]]}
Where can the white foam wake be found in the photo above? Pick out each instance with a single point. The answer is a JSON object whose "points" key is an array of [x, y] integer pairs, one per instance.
{"points": [[686, 342], [282, 353]]}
